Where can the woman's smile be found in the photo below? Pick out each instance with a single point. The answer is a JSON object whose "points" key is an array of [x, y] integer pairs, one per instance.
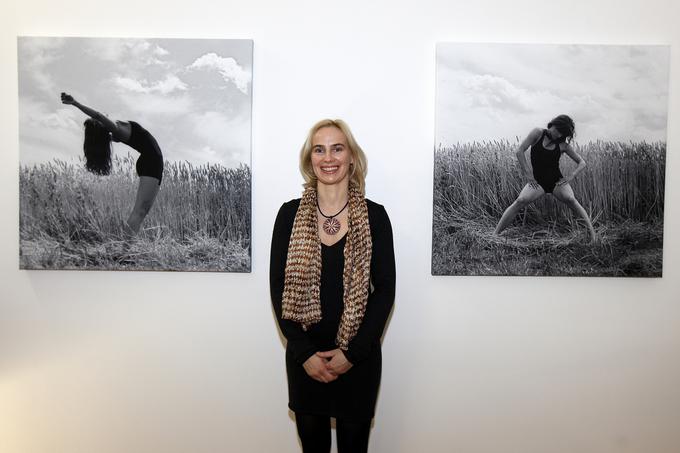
{"points": [[331, 157], [329, 169]]}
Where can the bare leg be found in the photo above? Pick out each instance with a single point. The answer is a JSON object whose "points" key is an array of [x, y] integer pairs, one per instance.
{"points": [[526, 196], [146, 194], [565, 194]]}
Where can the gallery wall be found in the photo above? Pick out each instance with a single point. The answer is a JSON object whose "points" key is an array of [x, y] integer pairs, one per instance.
{"points": [[192, 362]]}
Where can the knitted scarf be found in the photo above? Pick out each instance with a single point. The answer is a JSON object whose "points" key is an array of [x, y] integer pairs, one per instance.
{"points": [[301, 293]]}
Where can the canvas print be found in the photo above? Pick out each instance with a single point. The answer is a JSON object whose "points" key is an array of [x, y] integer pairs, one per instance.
{"points": [[135, 153], [549, 160]]}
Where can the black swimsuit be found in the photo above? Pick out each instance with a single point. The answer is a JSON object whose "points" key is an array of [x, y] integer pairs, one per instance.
{"points": [[150, 162], [546, 163]]}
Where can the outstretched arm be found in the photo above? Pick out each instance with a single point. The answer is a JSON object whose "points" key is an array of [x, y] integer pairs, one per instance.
{"points": [[111, 126]]}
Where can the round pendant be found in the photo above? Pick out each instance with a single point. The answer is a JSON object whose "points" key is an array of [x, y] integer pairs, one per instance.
{"points": [[331, 226]]}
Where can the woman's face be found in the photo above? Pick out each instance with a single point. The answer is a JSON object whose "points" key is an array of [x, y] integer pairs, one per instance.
{"points": [[331, 157], [554, 133]]}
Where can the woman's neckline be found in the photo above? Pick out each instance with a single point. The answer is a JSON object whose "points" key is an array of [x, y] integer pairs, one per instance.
{"points": [[334, 243], [546, 136]]}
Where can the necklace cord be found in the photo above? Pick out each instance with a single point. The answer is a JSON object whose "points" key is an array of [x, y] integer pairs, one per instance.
{"points": [[330, 216]]}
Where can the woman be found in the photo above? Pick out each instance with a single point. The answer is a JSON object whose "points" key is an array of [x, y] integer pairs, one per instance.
{"points": [[99, 131], [332, 286], [547, 146]]}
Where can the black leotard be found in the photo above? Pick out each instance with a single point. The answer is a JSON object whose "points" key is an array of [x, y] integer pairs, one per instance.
{"points": [[546, 164], [150, 162]]}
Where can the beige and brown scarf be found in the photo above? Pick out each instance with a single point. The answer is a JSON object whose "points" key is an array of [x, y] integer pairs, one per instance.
{"points": [[302, 282]]}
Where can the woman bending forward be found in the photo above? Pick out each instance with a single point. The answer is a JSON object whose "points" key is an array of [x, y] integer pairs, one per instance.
{"points": [[547, 147]]}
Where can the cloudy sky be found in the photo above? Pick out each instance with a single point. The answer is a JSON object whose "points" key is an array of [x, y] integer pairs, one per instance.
{"points": [[494, 91], [194, 96]]}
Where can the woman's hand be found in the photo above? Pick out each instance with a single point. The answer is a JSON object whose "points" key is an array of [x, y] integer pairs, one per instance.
{"points": [[564, 180], [316, 368], [67, 99], [336, 363]]}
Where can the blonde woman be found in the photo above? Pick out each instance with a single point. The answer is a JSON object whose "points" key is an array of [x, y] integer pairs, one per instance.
{"points": [[332, 279]]}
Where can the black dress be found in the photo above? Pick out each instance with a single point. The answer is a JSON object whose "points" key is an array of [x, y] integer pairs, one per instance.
{"points": [[353, 395], [150, 161]]}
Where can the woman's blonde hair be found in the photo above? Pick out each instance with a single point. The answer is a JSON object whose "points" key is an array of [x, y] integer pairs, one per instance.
{"points": [[359, 169]]}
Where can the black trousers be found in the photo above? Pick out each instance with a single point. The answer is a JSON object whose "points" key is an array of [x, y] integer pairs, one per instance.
{"points": [[315, 434]]}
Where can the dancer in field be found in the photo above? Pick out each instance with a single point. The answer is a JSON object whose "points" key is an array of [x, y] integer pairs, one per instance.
{"points": [[99, 131], [547, 146]]}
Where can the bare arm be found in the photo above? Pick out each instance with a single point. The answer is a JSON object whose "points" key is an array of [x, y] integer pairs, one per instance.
{"points": [[532, 138], [581, 165], [111, 126]]}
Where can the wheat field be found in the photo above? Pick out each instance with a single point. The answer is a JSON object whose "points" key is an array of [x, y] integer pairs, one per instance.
{"points": [[622, 189], [72, 219]]}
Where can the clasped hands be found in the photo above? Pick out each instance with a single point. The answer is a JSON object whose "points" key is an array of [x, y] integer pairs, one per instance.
{"points": [[326, 366]]}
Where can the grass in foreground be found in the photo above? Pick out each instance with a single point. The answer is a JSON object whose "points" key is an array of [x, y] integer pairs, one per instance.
{"points": [[141, 253], [71, 219], [622, 189], [469, 247]]}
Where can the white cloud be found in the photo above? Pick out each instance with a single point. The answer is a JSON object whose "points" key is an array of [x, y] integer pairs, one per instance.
{"points": [[156, 104], [45, 134], [126, 51], [38, 115], [158, 50], [228, 68], [35, 54], [44, 82], [209, 154], [227, 139], [491, 91], [495, 92], [166, 86], [40, 48]]}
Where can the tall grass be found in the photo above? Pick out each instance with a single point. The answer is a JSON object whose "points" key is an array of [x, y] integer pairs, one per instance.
{"points": [[63, 204], [623, 181], [622, 188]]}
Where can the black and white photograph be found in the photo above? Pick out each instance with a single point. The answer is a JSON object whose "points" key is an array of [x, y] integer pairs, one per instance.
{"points": [[135, 154], [549, 159]]}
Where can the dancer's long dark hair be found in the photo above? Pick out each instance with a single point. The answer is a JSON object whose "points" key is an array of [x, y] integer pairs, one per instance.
{"points": [[97, 147], [565, 126]]}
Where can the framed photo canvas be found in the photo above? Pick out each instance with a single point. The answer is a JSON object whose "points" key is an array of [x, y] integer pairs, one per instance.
{"points": [[135, 154], [549, 160]]}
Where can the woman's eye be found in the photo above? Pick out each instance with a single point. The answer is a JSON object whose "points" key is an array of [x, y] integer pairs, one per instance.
{"points": [[337, 149]]}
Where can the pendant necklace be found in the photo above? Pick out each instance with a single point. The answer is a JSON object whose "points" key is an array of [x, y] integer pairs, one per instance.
{"points": [[331, 225]]}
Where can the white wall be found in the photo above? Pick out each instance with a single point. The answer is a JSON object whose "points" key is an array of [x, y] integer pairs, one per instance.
{"points": [[166, 362]]}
